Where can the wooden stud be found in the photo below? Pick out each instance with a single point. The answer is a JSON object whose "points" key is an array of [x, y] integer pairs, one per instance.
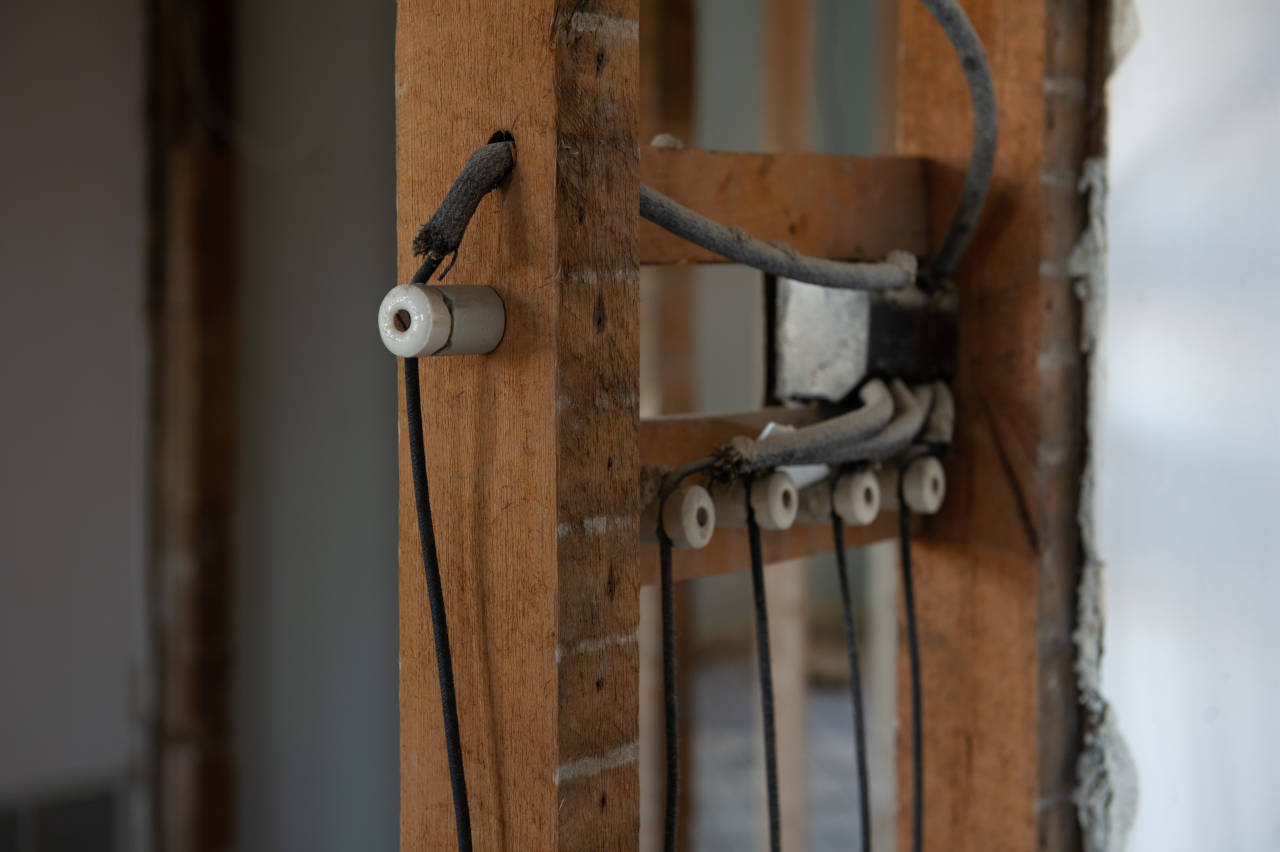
{"points": [[532, 451], [995, 573]]}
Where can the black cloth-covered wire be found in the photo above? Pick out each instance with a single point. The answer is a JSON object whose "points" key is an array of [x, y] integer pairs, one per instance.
{"points": [[670, 699], [670, 703], [855, 679], [435, 600], [913, 654], [765, 667]]}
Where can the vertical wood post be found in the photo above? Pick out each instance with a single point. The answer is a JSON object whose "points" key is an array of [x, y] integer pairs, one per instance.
{"points": [[531, 451], [997, 570]]}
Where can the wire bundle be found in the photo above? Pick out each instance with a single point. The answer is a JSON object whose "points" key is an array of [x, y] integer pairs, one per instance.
{"points": [[859, 434]]}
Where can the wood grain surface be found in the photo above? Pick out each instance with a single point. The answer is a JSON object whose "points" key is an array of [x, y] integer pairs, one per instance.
{"points": [[531, 451], [996, 570]]}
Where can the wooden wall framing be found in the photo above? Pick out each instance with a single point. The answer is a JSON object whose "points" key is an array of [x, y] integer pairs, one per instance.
{"points": [[533, 452], [997, 571]]}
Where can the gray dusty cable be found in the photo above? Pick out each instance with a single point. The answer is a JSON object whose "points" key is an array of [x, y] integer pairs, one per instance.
{"points": [[941, 424], [982, 93], [912, 410], [817, 443], [897, 271]]}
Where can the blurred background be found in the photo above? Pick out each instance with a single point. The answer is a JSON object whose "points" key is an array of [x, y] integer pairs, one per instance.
{"points": [[215, 466]]}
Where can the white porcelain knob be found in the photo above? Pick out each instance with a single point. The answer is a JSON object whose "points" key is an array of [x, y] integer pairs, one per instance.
{"points": [[417, 320], [688, 518], [923, 489], [774, 497], [857, 498], [414, 321]]}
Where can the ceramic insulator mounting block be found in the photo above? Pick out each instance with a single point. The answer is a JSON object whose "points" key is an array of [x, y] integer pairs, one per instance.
{"points": [[857, 500], [774, 497], [418, 320], [923, 489], [688, 517]]}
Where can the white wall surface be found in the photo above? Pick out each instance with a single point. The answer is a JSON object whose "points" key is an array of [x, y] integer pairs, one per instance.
{"points": [[73, 402], [1190, 475]]}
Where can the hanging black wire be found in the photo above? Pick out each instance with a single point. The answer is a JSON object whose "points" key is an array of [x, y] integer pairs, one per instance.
{"points": [[670, 704], [913, 654], [484, 171], [765, 668], [855, 678], [435, 601], [670, 699]]}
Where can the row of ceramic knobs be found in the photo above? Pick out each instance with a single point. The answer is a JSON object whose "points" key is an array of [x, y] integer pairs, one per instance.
{"points": [[691, 513]]}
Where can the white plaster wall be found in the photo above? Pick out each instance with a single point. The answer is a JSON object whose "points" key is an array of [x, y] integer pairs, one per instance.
{"points": [[1189, 474]]}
